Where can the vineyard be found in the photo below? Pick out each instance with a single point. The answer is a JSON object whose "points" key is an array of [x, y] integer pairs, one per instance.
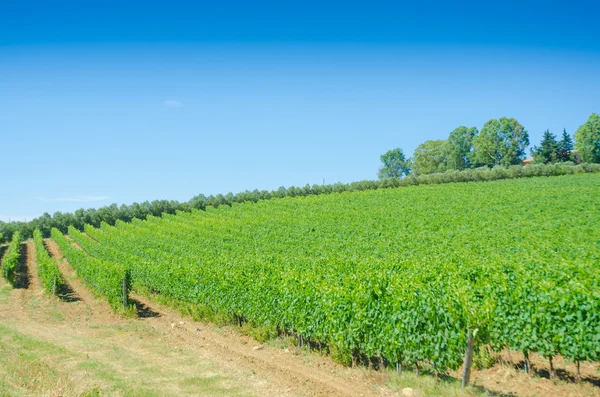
{"points": [[406, 276]]}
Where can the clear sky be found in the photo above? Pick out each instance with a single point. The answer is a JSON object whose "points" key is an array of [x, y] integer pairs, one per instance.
{"points": [[131, 101]]}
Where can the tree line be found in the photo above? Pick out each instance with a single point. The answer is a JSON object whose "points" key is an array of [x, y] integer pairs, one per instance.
{"points": [[501, 142]]}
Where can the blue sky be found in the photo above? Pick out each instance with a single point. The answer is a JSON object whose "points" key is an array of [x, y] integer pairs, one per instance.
{"points": [[132, 101]]}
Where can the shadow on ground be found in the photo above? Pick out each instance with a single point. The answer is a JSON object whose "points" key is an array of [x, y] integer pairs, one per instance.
{"points": [[566, 376], [142, 310], [22, 275], [66, 294], [444, 378]]}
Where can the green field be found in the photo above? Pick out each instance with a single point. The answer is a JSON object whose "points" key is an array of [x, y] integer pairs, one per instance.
{"points": [[398, 273]]}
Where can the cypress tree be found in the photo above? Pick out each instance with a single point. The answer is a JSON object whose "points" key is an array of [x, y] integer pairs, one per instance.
{"points": [[546, 152], [565, 146]]}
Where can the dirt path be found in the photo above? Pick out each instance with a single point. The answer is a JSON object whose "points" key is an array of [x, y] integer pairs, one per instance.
{"points": [[27, 283], [293, 370], [74, 284], [32, 267]]}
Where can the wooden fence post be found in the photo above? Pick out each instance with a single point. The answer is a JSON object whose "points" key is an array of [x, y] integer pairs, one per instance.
{"points": [[527, 363], [125, 302], [468, 360]]}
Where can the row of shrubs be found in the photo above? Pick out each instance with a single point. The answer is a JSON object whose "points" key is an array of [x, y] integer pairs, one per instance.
{"points": [[112, 213], [468, 175]]}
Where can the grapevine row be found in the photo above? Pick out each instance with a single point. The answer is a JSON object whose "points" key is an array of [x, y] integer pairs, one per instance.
{"points": [[48, 270], [108, 279], [11, 259]]}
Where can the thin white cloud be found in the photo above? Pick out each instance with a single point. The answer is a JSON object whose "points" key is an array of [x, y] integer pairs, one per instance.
{"points": [[79, 199], [172, 103]]}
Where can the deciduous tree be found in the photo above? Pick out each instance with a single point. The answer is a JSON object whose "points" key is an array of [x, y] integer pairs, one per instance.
{"points": [[501, 142], [460, 148], [430, 157], [395, 164], [587, 140]]}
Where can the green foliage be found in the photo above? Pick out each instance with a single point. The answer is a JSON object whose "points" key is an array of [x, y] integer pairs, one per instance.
{"points": [[486, 145], [395, 273], [431, 157], [394, 165], [262, 333], [341, 356], [11, 259], [587, 139], [483, 358], [565, 148], [102, 276], [501, 142], [460, 150], [547, 152], [551, 150], [48, 270]]}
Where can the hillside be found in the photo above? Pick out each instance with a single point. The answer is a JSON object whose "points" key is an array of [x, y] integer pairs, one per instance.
{"points": [[400, 274], [394, 278]]}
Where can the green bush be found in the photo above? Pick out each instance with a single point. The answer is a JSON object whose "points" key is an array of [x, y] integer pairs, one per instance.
{"points": [[261, 333], [341, 356], [483, 358]]}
